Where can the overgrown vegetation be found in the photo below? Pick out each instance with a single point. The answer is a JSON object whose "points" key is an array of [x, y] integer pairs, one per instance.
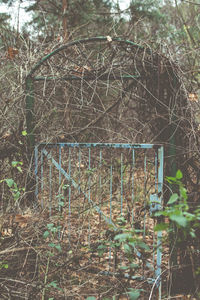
{"points": [[160, 106]]}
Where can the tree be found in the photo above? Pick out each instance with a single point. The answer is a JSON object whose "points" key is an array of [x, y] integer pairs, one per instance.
{"points": [[78, 17]]}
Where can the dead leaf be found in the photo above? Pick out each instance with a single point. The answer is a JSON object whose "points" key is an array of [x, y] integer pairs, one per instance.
{"points": [[21, 220], [193, 97], [12, 52]]}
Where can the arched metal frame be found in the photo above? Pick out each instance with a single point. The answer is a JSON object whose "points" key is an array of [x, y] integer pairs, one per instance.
{"points": [[31, 78]]}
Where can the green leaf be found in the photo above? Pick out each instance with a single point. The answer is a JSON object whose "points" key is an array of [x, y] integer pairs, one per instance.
{"points": [[173, 198], [10, 182], [171, 179], [24, 132], [50, 226], [124, 268], [101, 247], [160, 213], [179, 175], [16, 196], [123, 236], [5, 266], [19, 169], [161, 227], [91, 298], [179, 219], [192, 234], [53, 284], [52, 245], [46, 234], [134, 266], [183, 192], [134, 294], [58, 247], [142, 245], [127, 248], [14, 164]]}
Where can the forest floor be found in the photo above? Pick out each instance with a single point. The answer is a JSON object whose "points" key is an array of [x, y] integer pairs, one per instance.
{"points": [[54, 255]]}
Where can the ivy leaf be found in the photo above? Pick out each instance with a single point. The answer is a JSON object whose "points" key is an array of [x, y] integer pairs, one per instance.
{"points": [[50, 226], [142, 245], [51, 245], [16, 195], [183, 192], [14, 164], [24, 132], [124, 267], [10, 182], [127, 248], [173, 199], [179, 175], [122, 236], [53, 284], [134, 294], [161, 227], [179, 219], [45, 234], [19, 169], [58, 247]]}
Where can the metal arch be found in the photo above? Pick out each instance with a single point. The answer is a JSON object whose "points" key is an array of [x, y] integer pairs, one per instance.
{"points": [[29, 81], [85, 40]]}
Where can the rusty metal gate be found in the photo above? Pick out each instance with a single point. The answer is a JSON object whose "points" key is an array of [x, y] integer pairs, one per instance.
{"points": [[108, 194]]}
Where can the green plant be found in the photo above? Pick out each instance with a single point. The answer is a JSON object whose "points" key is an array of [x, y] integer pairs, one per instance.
{"points": [[178, 212], [50, 233], [12, 185], [3, 265], [182, 230], [130, 244]]}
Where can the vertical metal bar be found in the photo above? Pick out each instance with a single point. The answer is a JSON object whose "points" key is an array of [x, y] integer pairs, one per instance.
{"points": [[145, 183], [59, 180], [121, 183], [132, 192], [159, 233], [100, 182], [69, 195], [36, 173], [111, 182], [156, 192], [89, 191], [89, 177], [50, 185], [156, 171], [42, 178], [79, 171], [111, 179]]}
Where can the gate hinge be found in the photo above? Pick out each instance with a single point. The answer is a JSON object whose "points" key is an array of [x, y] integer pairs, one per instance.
{"points": [[155, 204]]}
